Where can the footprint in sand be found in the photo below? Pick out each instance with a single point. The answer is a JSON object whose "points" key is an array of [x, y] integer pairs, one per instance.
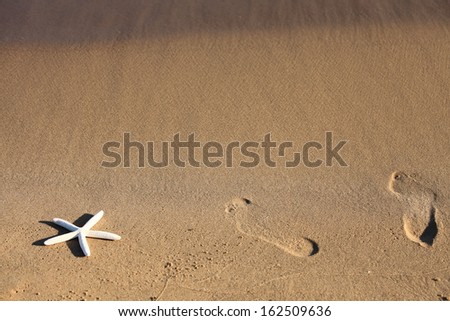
{"points": [[249, 220], [419, 220]]}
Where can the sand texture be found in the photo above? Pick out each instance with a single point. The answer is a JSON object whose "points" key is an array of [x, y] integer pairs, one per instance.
{"points": [[373, 73]]}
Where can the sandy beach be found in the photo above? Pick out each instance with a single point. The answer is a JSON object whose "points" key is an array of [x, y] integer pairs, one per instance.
{"points": [[374, 74]]}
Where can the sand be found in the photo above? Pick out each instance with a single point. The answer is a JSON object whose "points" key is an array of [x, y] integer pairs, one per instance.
{"points": [[75, 76]]}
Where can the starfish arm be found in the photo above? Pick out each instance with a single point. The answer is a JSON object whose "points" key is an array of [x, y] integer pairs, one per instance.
{"points": [[61, 238], [94, 219], [103, 235], [65, 224], [84, 244]]}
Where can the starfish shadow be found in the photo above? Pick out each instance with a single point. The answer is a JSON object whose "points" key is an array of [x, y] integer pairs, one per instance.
{"points": [[73, 244]]}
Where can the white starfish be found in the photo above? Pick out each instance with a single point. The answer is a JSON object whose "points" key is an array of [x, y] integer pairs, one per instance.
{"points": [[81, 233]]}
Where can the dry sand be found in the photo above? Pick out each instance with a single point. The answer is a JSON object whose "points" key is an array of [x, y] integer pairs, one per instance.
{"points": [[375, 73]]}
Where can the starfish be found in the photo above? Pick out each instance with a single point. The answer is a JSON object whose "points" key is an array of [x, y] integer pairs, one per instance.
{"points": [[82, 233]]}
